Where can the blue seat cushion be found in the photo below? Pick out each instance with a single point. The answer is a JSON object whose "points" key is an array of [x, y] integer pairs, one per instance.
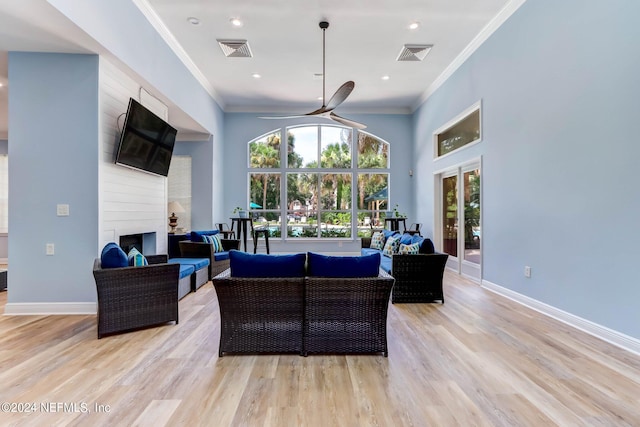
{"points": [[243, 264], [113, 256], [197, 263], [196, 236], [319, 265], [186, 270], [385, 264], [221, 256]]}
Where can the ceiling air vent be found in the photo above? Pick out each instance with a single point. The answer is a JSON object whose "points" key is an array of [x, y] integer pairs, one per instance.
{"points": [[235, 48], [414, 52]]}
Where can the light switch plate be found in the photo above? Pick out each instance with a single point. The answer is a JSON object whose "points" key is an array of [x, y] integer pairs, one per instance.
{"points": [[62, 209], [50, 249]]}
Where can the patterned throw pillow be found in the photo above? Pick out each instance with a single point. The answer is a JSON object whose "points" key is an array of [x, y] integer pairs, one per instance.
{"points": [[136, 259], [411, 249], [377, 240], [215, 241], [391, 247]]}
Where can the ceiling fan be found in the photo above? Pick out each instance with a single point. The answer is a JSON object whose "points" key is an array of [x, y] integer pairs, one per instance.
{"points": [[338, 98]]}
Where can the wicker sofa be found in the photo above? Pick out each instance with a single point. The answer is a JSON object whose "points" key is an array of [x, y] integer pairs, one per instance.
{"points": [[418, 277], [289, 305]]}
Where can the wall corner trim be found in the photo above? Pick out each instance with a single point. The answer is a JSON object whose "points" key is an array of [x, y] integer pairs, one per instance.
{"points": [[609, 335], [50, 308]]}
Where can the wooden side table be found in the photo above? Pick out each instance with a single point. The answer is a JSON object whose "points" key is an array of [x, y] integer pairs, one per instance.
{"points": [[241, 228]]}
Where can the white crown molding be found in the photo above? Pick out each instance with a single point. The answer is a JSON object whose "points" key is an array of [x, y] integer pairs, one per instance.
{"points": [[192, 136], [177, 48], [609, 335], [506, 12], [50, 308]]}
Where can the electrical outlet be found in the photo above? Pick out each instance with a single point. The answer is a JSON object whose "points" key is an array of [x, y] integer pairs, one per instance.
{"points": [[527, 271], [50, 249]]}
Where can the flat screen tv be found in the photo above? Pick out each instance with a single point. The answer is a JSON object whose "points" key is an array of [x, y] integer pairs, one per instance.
{"points": [[146, 142]]}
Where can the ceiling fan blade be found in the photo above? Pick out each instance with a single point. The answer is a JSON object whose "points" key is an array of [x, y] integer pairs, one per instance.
{"points": [[346, 122], [283, 117], [341, 94]]}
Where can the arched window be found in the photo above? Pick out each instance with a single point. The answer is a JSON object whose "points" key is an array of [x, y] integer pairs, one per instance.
{"points": [[329, 182]]}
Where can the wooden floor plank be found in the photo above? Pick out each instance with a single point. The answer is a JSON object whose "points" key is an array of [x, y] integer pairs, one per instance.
{"points": [[479, 359]]}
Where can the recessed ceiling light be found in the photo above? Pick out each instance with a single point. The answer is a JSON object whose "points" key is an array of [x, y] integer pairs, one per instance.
{"points": [[1, 84], [256, 75], [236, 22], [414, 25], [385, 77], [193, 20]]}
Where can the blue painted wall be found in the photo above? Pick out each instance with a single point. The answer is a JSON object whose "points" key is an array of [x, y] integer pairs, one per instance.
{"points": [[560, 97], [53, 152], [152, 59]]}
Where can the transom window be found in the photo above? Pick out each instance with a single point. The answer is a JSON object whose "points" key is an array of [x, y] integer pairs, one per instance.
{"points": [[308, 189], [460, 132]]}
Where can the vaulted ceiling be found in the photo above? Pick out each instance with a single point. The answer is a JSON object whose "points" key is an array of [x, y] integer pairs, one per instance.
{"points": [[363, 42]]}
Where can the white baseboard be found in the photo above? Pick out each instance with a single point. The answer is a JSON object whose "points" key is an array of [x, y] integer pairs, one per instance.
{"points": [[50, 308], [609, 335]]}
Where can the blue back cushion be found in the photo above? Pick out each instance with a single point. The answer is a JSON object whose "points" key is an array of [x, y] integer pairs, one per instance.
{"points": [[262, 265], [343, 266], [196, 236], [426, 247], [406, 239], [113, 256]]}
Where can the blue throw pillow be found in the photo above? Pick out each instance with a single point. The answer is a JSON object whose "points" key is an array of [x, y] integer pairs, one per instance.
{"points": [[196, 236], [215, 241], [388, 233], [343, 266], [136, 259], [405, 239], [262, 265], [113, 256]]}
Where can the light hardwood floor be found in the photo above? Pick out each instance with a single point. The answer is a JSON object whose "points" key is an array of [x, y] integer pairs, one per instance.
{"points": [[477, 360]]}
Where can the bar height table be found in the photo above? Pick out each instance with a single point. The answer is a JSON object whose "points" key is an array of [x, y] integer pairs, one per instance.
{"points": [[241, 228]]}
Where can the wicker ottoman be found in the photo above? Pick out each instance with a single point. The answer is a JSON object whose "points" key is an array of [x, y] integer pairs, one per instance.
{"points": [[3, 280]]}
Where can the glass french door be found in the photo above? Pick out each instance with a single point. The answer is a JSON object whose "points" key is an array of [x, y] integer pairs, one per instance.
{"points": [[459, 218]]}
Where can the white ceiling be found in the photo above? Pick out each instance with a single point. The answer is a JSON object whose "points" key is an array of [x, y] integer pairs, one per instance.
{"points": [[362, 44]]}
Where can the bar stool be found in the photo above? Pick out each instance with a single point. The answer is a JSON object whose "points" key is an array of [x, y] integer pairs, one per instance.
{"points": [[227, 233], [257, 232]]}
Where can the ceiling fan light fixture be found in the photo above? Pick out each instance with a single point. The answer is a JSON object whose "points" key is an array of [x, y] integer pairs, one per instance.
{"points": [[326, 110]]}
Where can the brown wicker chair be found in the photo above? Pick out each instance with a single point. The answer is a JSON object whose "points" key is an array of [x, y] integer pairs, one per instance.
{"points": [[136, 297], [346, 315], [260, 315], [189, 249]]}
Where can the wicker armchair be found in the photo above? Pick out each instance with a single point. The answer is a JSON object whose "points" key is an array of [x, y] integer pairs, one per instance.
{"points": [[189, 249], [346, 315], [136, 297], [260, 315], [418, 277]]}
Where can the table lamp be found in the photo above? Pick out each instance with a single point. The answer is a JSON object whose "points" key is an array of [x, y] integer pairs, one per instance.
{"points": [[174, 207]]}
